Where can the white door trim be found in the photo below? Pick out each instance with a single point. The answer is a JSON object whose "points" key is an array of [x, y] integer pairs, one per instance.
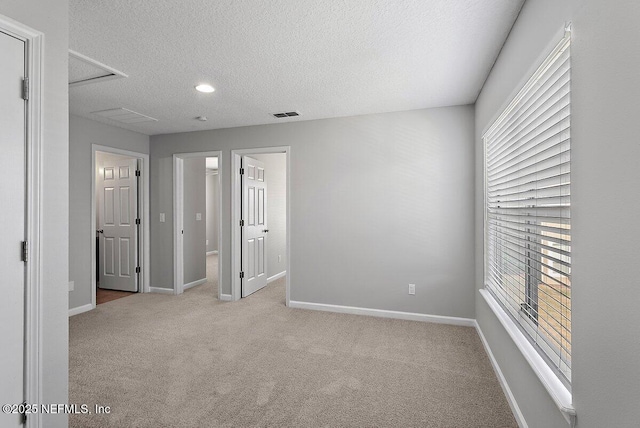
{"points": [[236, 245], [146, 242], [178, 209], [34, 305]]}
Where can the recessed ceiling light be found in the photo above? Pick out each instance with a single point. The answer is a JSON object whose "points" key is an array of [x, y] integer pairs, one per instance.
{"points": [[203, 87]]}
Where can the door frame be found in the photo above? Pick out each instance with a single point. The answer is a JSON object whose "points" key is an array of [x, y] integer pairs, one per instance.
{"points": [[236, 213], [178, 210], [34, 304], [144, 246]]}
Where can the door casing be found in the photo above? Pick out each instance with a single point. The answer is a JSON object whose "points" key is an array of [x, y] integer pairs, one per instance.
{"points": [[178, 210]]}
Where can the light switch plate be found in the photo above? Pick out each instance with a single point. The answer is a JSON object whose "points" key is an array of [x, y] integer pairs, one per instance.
{"points": [[412, 289], [72, 285], [161, 217], [198, 216]]}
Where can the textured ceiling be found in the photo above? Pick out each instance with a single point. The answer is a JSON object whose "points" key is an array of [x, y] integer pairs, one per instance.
{"points": [[323, 58]]}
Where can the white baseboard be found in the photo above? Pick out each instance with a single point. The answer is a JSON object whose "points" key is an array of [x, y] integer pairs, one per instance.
{"points": [[80, 309], [276, 276], [411, 316], [160, 290], [515, 409], [226, 297], [194, 283], [212, 252]]}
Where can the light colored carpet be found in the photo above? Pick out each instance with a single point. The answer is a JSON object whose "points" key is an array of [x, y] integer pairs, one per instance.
{"points": [[193, 361]]}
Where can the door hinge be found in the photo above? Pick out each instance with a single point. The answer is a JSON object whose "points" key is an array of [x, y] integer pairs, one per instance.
{"points": [[241, 171], [25, 89], [241, 223], [241, 275], [137, 221], [137, 173], [24, 414], [25, 251], [137, 269]]}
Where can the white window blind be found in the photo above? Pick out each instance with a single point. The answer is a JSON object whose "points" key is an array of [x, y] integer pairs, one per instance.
{"points": [[528, 210]]}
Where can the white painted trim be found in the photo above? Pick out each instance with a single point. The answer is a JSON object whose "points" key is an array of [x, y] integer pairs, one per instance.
{"points": [[511, 399], [210, 253], [146, 219], [34, 304], [81, 309], [178, 209], [194, 283], [556, 389], [288, 240], [161, 290], [236, 245], [236, 213], [178, 235], [276, 276], [382, 313], [226, 297]]}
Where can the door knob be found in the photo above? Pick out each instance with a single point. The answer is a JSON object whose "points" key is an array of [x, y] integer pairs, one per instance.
{"points": [[265, 230], [100, 231]]}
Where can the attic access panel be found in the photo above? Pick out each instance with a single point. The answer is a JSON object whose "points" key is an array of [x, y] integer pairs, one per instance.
{"points": [[84, 70]]}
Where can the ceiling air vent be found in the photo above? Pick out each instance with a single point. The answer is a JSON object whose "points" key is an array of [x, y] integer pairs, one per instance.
{"points": [[84, 70], [124, 115], [286, 114]]}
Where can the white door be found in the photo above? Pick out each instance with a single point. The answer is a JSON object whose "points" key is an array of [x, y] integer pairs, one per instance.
{"points": [[12, 224], [254, 229], [117, 229]]}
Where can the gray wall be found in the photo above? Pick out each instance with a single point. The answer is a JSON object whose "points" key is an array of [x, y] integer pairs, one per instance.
{"points": [[213, 211], [50, 17], [378, 202], [195, 231], [605, 230], [276, 178], [82, 134]]}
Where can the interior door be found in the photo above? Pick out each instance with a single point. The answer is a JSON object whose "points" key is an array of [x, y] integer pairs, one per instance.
{"points": [[12, 224], [117, 229], [254, 229]]}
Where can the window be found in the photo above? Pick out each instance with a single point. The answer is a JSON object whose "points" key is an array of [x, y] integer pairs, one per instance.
{"points": [[528, 210]]}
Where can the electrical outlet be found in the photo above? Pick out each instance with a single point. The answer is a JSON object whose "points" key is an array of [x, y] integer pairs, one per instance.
{"points": [[279, 258], [198, 216], [412, 289], [161, 217]]}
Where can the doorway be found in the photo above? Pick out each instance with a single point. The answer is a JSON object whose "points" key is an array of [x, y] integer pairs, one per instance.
{"points": [[120, 224], [260, 206], [212, 219], [197, 221]]}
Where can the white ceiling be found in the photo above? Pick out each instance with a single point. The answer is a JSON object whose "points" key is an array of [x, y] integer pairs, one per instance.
{"points": [[323, 58], [212, 163]]}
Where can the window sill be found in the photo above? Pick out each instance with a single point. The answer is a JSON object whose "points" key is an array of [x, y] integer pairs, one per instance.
{"points": [[556, 389]]}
